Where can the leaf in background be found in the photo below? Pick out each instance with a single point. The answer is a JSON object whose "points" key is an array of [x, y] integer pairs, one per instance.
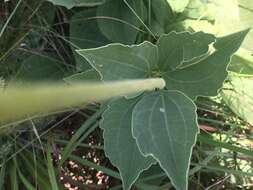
{"points": [[205, 76], [84, 33], [238, 95], [176, 48], [227, 16], [88, 75], [162, 16], [246, 20], [222, 17], [41, 21], [178, 5], [117, 61], [232, 16], [242, 63], [200, 9], [40, 68], [45, 15], [165, 126], [118, 22], [77, 3], [196, 26], [120, 146]]}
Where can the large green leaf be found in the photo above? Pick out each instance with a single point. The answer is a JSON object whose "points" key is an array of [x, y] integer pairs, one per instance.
{"points": [[238, 94], [205, 76], [120, 146], [176, 48], [164, 125], [74, 3], [184, 60], [118, 22], [117, 61]]}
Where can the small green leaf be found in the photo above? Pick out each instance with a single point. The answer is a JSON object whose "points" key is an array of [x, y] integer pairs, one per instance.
{"points": [[117, 61], [120, 146], [74, 3], [205, 76], [176, 48], [164, 125]]}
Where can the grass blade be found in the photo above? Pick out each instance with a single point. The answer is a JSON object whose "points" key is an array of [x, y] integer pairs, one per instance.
{"points": [[2, 174], [26, 183], [51, 170]]}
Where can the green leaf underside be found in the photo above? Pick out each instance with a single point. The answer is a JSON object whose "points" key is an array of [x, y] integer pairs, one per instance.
{"points": [[76, 3], [120, 146], [176, 48], [116, 61], [205, 77], [118, 23], [164, 125]]}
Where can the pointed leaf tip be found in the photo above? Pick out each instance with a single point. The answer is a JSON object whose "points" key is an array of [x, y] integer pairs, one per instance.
{"points": [[120, 146], [165, 126]]}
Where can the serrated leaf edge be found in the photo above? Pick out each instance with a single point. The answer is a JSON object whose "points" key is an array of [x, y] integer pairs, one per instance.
{"points": [[109, 45]]}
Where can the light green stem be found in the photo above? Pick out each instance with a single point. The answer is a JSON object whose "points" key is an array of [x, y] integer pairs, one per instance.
{"points": [[18, 103]]}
